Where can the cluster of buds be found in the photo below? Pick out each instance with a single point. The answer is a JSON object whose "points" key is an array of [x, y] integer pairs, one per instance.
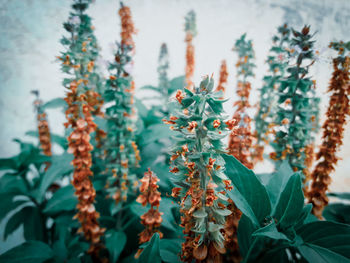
{"points": [[83, 101], [268, 93], [333, 129], [150, 195], [241, 140], [122, 154], [223, 78], [191, 32], [163, 83], [43, 125], [295, 128], [198, 169], [127, 26]]}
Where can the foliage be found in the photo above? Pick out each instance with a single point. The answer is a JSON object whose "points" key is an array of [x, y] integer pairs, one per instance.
{"points": [[198, 169], [296, 109], [240, 141], [276, 225], [277, 61]]}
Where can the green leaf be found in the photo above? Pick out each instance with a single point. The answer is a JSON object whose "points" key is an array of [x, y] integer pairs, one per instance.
{"points": [[151, 252], [329, 235], [270, 231], [170, 249], [313, 253], [290, 203], [337, 212], [244, 234], [8, 204], [54, 103], [115, 243], [12, 184], [155, 132], [215, 105], [176, 83], [60, 165], [248, 194], [8, 163], [62, 200], [278, 181], [344, 196], [29, 252]]}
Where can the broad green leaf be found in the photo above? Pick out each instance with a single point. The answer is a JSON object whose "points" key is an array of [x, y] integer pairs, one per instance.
{"points": [[29, 252], [337, 212], [8, 204], [313, 253], [33, 225], [278, 181], [62, 200], [115, 242], [54, 104], [12, 184], [270, 231], [345, 196], [60, 165], [9, 163], [329, 235], [290, 203], [248, 194], [170, 250], [244, 234], [155, 132], [176, 83], [151, 252]]}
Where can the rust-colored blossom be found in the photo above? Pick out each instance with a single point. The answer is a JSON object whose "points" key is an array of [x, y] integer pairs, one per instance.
{"points": [[333, 131], [152, 219], [192, 126], [223, 77], [127, 26], [43, 126]]}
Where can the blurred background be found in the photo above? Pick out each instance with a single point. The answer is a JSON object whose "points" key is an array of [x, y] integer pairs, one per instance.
{"points": [[31, 29]]}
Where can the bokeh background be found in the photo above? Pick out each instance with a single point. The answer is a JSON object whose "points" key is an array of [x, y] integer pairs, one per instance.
{"points": [[31, 29]]}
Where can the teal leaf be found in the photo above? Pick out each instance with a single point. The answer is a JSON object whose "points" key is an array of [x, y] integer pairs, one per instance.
{"points": [[270, 231], [290, 203], [29, 252], [151, 252], [170, 250], [313, 253], [62, 200], [54, 104], [248, 194], [115, 243]]}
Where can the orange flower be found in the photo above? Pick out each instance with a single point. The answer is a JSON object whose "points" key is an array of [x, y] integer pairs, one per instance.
{"points": [[191, 126], [216, 123], [179, 96]]}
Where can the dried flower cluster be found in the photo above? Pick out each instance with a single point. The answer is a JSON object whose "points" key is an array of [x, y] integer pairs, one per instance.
{"points": [[240, 142], [297, 108], [223, 78], [191, 32], [333, 129], [122, 154], [82, 100], [199, 171], [277, 61], [43, 125], [150, 195]]}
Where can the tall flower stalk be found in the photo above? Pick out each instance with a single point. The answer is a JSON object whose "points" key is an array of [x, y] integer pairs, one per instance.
{"points": [[333, 128], [122, 154], [43, 125], [297, 106], [222, 78], [191, 32], [240, 142], [198, 169], [163, 79], [78, 63], [277, 61], [152, 218]]}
